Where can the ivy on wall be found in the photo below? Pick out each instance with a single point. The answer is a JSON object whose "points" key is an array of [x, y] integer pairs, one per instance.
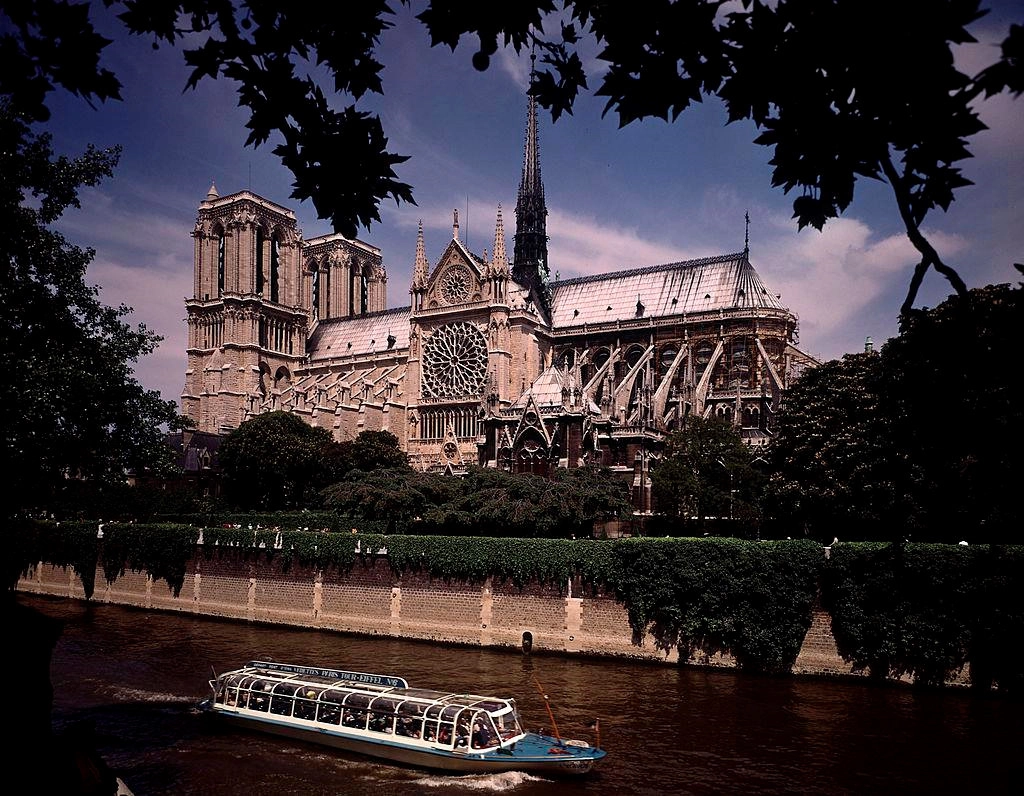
{"points": [[161, 551], [926, 610], [918, 610], [752, 600]]}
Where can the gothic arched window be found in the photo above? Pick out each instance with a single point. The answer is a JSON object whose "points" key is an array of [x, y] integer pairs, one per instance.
{"points": [[275, 268]]}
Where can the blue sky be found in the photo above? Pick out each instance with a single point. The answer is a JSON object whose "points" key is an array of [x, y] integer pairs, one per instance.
{"points": [[650, 193]]}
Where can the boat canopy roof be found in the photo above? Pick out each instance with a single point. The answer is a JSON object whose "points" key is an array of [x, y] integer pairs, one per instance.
{"points": [[358, 689]]}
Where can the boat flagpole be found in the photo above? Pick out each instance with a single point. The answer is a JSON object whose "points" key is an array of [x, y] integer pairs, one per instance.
{"points": [[547, 704]]}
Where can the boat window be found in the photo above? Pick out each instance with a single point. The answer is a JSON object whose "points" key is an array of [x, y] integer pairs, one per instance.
{"points": [[382, 705], [259, 699], [508, 726], [328, 713], [281, 705], [382, 722], [409, 727], [491, 705], [305, 705], [355, 718], [483, 733], [450, 712], [231, 697], [410, 708], [358, 701], [434, 711], [462, 731], [445, 733], [430, 731]]}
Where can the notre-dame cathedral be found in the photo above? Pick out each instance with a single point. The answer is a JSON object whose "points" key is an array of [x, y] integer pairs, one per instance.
{"points": [[492, 363]]}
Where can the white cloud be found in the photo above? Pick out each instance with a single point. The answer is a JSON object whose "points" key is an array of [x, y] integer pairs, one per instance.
{"points": [[586, 246], [832, 277], [157, 297]]}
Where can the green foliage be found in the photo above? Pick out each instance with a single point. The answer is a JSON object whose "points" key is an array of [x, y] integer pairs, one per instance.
{"points": [[917, 610], [752, 600], [864, 448], [484, 502], [276, 57], [390, 496], [369, 451], [118, 500], [996, 618], [71, 405], [833, 468], [474, 559], [926, 610], [496, 503], [707, 471], [965, 447], [62, 544], [161, 551], [273, 461]]}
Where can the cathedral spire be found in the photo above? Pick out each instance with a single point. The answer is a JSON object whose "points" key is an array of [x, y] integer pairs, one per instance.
{"points": [[499, 258], [530, 255], [421, 267]]}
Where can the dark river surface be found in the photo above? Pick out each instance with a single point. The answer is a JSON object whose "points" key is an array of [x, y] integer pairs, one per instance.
{"points": [[136, 677]]}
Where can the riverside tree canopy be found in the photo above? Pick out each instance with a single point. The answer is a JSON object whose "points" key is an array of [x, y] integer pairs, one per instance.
{"points": [[837, 88]]}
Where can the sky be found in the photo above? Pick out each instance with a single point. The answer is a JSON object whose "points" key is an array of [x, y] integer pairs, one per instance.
{"points": [[651, 193]]}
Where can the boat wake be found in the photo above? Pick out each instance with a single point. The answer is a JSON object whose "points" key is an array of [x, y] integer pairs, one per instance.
{"points": [[140, 695], [505, 781]]}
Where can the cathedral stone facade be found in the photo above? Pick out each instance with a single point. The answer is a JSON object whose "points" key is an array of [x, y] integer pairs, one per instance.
{"points": [[492, 363]]}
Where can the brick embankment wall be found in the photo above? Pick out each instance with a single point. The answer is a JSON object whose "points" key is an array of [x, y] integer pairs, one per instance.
{"points": [[372, 600]]}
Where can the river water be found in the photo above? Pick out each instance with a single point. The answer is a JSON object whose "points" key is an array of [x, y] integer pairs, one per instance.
{"points": [[136, 676]]}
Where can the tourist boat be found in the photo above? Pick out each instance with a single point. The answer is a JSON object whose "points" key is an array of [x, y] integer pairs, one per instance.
{"points": [[381, 716]]}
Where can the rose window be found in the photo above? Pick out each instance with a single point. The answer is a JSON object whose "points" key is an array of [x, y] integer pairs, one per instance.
{"points": [[454, 361], [455, 284]]}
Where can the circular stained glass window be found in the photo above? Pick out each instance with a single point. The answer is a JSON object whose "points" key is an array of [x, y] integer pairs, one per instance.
{"points": [[454, 361], [455, 284]]}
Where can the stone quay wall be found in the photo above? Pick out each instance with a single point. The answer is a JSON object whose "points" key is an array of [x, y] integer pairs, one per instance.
{"points": [[372, 600]]}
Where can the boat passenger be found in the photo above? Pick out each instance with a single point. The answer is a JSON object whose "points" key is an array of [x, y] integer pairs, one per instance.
{"points": [[481, 735], [462, 734]]}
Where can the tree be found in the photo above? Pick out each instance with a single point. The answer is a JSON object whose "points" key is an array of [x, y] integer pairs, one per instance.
{"points": [[833, 109], [483, 502], [707, 471], [71, 406], [950, 378], [834, 469], [369, 451], [397, 496], [273, 461], [918, 440]]}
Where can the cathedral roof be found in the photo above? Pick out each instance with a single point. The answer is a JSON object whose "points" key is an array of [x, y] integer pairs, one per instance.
{"points": [[693, 286], [361, 335]]}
